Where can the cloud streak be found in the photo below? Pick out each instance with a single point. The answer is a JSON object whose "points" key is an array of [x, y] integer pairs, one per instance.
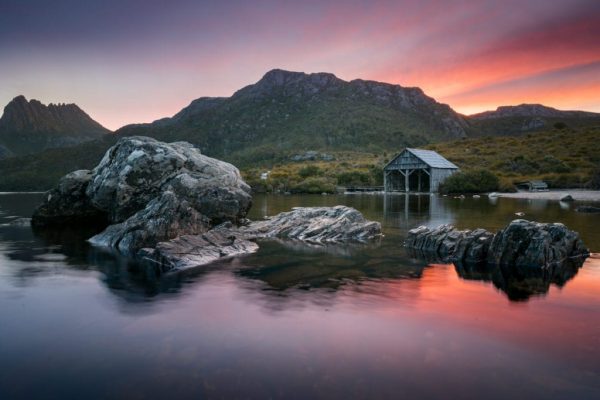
{"points": [[134, 61]]}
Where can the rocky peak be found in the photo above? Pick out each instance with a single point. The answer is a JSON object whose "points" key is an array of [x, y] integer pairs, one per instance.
{"points": [[32, 116], [290, 82]]}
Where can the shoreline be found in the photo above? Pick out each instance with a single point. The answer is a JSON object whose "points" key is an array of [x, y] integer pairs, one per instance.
{"points": [[577, 194]]}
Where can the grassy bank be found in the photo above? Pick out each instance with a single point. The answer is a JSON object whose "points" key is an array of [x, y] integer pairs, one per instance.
{"points": [[564, 158]]}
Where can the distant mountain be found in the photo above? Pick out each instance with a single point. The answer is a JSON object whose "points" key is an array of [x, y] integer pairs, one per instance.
{"points": [[28, 127], [515, 120], [288, 112], [272, 121]]}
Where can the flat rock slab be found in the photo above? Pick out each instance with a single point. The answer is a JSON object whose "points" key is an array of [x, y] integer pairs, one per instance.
{"points": [[190, 251], [316, 225], [309, 225]]}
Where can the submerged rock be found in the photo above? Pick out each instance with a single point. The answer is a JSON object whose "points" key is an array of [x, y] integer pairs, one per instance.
{"points": [[189, 251], [521, 244], [567, 198], [314, 225]]}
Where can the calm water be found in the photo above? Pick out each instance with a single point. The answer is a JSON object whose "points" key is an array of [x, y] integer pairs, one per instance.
{"points": [[294, 321]]}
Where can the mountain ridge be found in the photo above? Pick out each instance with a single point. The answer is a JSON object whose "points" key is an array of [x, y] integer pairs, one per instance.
{"points": [[30, 126], [286, 114], [532, 110], [291, 111]]}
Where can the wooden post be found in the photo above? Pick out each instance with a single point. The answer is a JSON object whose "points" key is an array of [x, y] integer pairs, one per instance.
{"points": [[419, 172], [385, 188], [406, 188]]}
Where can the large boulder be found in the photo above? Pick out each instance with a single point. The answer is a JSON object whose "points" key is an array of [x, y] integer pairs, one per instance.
{"points": [[137, 169], [151, 191], [68, 203]]}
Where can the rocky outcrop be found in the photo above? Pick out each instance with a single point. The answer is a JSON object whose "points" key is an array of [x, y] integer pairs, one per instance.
{"points": [[68, 203], [313, 225], [533, 244], [137, 169], [189, 251], [152, 192], [521, 244], [316, 225], [165, 217], [448, 243], [172, 206]]}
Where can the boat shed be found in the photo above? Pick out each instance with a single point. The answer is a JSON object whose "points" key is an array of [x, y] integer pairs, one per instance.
{"points": [[533, 186], [416, 170]]}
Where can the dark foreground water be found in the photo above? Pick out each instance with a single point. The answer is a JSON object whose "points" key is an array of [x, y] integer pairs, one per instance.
{"points": [[293, 321]]}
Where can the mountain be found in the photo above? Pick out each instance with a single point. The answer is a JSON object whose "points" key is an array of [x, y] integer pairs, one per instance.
{"points": [[283, 117], [524, 118], [29, 126], [288, 112]]}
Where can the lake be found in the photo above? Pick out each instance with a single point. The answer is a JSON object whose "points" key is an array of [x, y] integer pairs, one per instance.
{"points": [[295, 321]]}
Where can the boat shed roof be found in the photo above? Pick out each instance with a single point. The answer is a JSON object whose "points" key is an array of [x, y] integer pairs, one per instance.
{"points": [[429, 157]]}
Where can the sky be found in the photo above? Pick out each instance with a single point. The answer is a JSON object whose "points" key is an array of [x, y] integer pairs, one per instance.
{"points": [[130, 61]]}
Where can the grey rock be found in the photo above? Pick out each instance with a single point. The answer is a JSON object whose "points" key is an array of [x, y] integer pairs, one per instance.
{"points": [[450, 244], [311, 225], [171, 205], [521, 244], [68, 203], [316, 225], [159, 184], [164, 218], [20, 222], [137, 169], [189, 251], [532, 244]]}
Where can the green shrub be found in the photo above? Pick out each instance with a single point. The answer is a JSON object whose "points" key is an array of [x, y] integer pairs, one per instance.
{"points": [[560, 125], [475, 181], [594, 182], [565, 181], [314, 185], [309, 170], [552, 164], [353, 178]]}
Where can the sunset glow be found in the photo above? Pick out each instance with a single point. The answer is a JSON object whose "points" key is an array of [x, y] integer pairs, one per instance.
{"points": [[136, 61]]}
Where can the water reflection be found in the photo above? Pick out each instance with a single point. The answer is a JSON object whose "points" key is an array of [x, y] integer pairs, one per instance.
{"points": [[293, 321], [287, 268], [520, 284]]}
